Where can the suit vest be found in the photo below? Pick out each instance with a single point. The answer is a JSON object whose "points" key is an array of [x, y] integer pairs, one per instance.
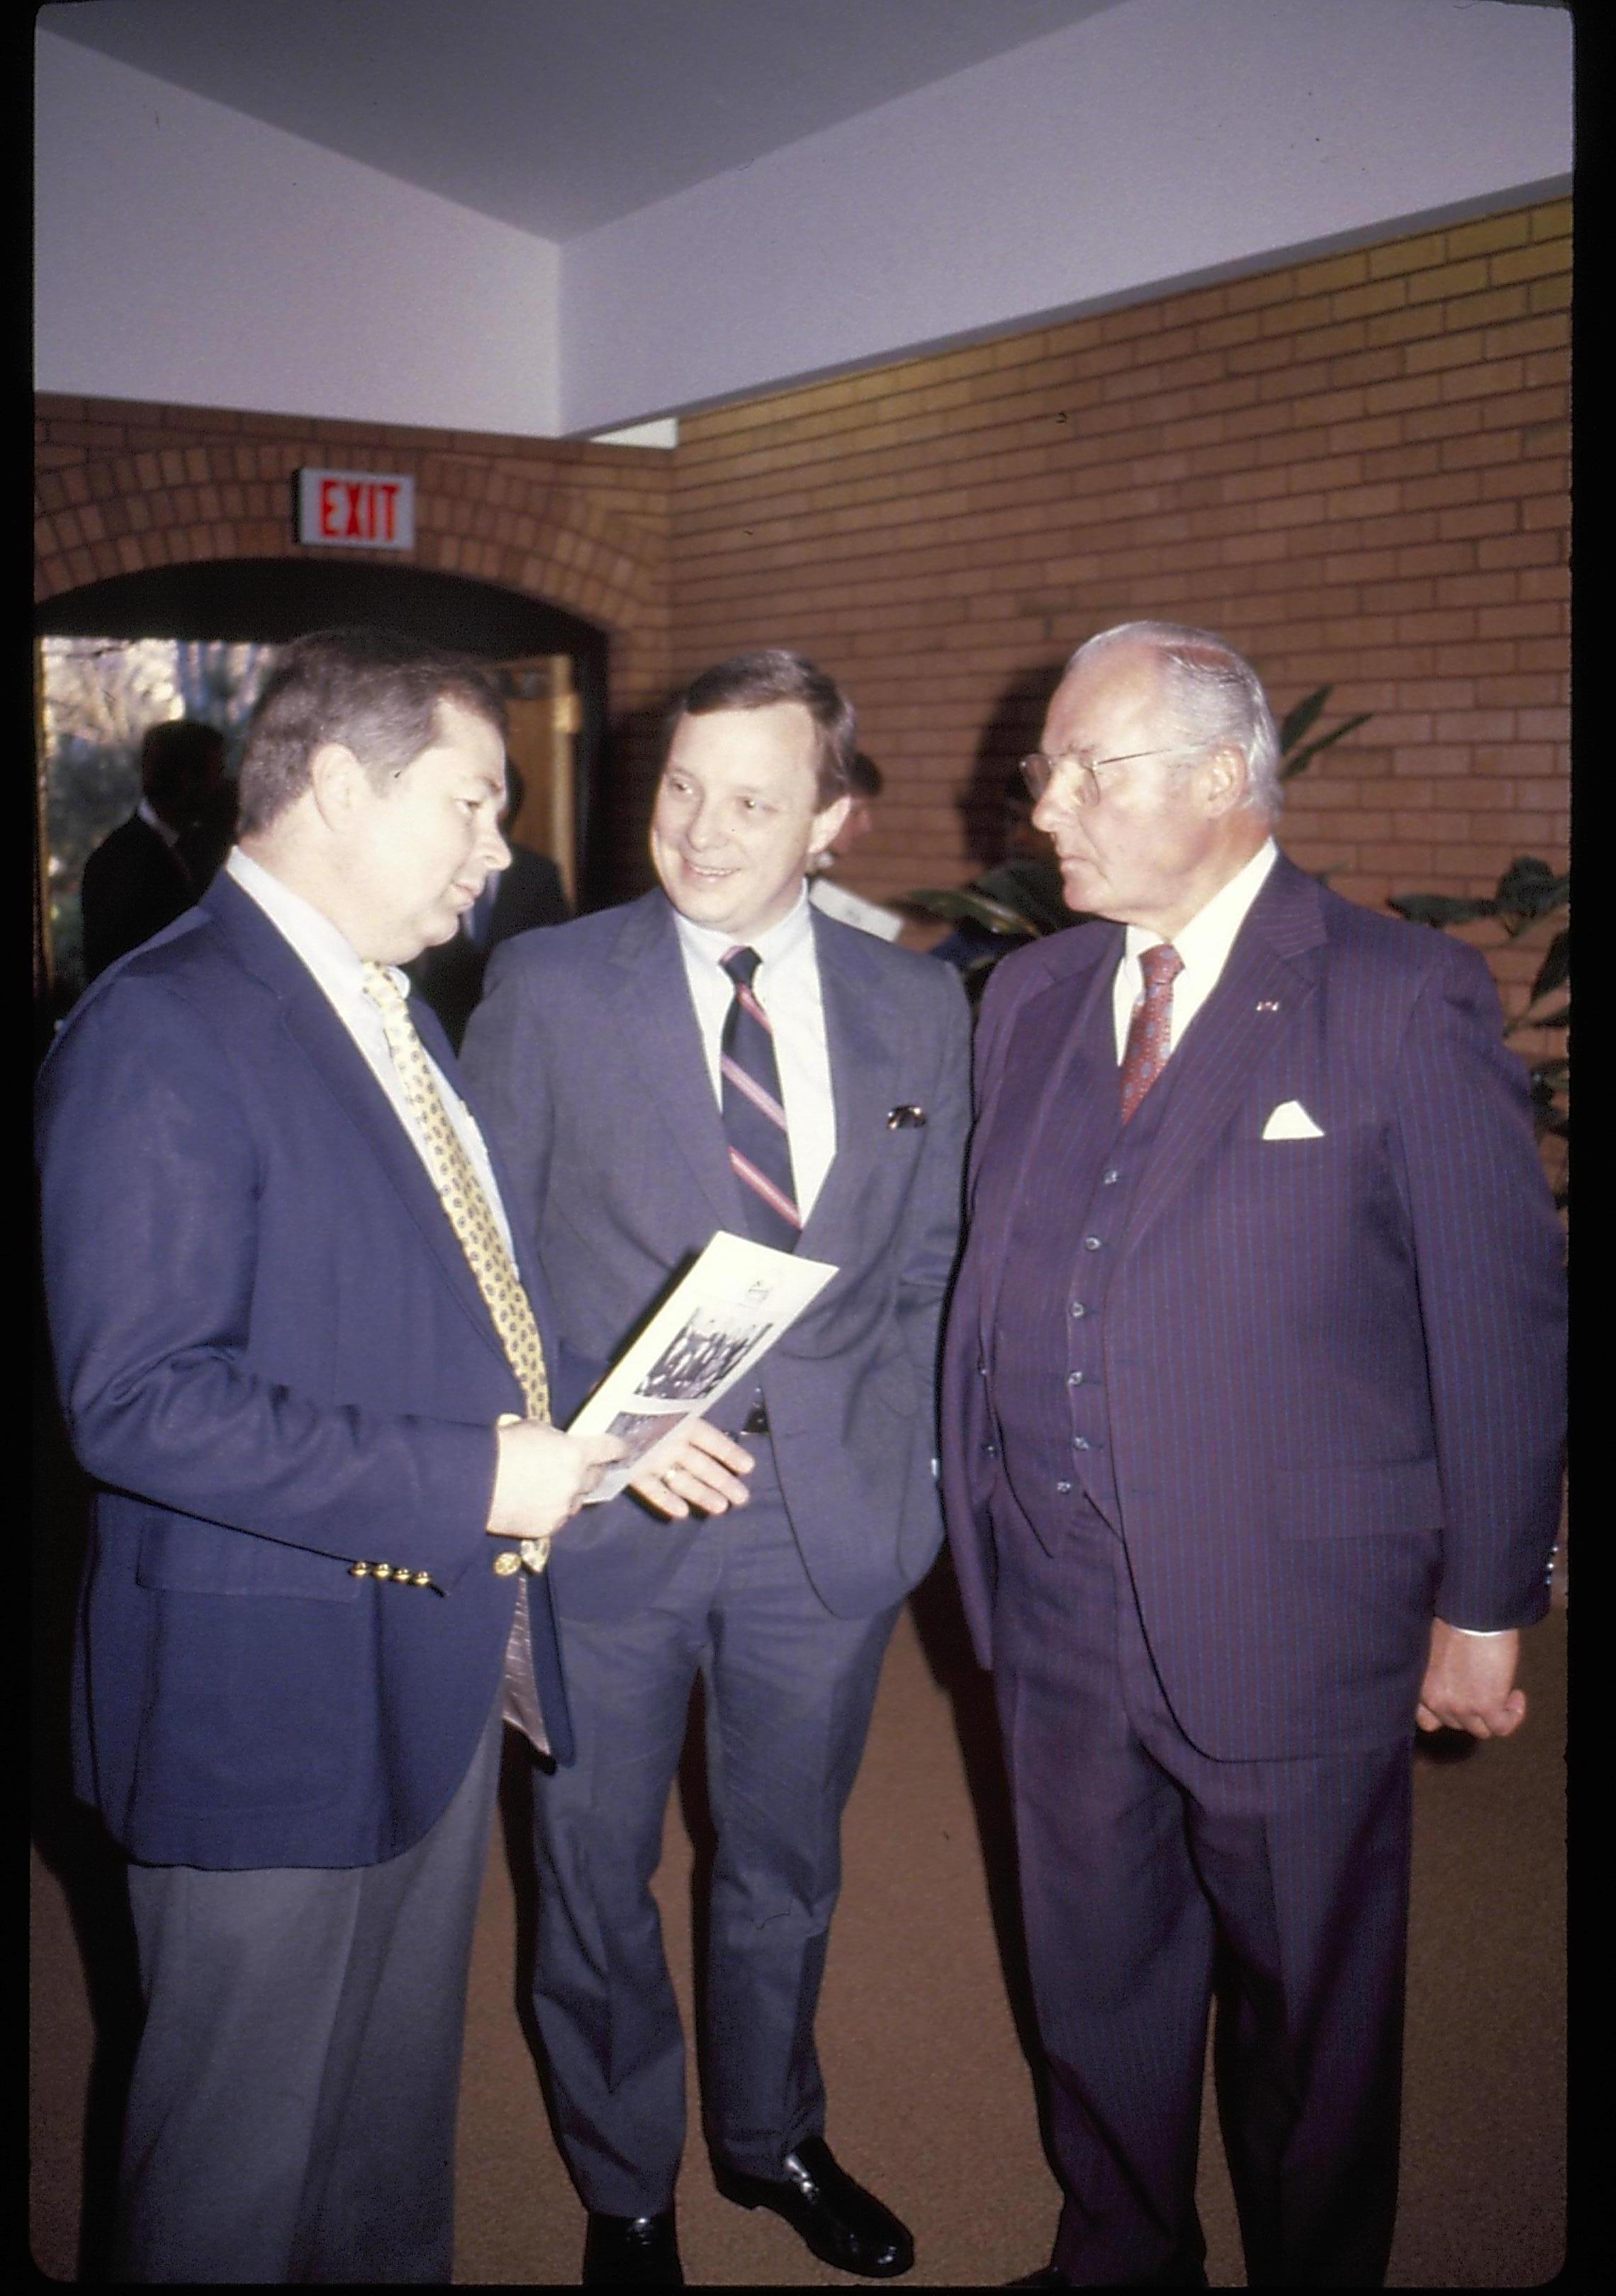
{"points": [[1048, 1342]]}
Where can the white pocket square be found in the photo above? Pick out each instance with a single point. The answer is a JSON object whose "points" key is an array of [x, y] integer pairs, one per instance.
{"points": [[1292, 1121]]}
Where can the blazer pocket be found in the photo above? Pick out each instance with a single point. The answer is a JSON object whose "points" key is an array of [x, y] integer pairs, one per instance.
{"points": [[1397, 1495], [180, 1554]]}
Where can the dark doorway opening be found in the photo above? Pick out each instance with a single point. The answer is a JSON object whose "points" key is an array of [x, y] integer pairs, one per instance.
{"points": [[273, 600]]}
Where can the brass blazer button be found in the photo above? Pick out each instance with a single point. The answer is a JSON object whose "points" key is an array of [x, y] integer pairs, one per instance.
{"points": [[505, 1562], [423, 1579], [381, 1569], [358, 1569]]}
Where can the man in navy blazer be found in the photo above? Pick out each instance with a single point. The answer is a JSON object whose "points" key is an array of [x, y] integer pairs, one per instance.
{"points": [[603, 1052], [1251, 1448], [304, 1608]]}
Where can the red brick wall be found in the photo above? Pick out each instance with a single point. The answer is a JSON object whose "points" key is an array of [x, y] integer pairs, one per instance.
{"points": [[1355, 468]]}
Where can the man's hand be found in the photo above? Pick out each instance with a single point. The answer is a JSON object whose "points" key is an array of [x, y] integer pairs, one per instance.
{"points": [[1470, 1684], [703, 1471], [544, 1477]]}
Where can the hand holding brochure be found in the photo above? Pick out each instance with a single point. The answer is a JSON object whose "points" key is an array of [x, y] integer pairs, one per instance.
{"points": [[725, 1314]]}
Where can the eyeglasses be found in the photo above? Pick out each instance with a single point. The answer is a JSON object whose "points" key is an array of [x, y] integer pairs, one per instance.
{"points": [[1075, 775]]}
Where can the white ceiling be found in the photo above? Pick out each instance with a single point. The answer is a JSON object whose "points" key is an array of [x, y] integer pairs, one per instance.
{"points": [[556, 115]]}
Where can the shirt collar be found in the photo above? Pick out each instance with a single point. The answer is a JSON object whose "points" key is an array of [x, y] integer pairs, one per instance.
{"points": [[1205, 942], [145, 811], [325, 948], [794, 930]]}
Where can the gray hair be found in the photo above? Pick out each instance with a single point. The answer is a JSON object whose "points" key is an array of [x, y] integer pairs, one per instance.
{"points": [[1214, 694]]}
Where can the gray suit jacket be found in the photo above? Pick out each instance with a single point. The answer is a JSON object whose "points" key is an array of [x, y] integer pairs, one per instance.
{"points": [[589, 1064]]}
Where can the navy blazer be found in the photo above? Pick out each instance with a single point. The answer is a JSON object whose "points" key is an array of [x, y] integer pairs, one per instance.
{"points": [[1334, 1364], [275, 1361]]}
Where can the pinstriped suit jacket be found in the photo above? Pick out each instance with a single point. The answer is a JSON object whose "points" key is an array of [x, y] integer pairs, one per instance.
{"points": [[1333, 1365]]}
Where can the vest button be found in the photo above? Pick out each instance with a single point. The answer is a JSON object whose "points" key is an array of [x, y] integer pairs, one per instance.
{"points": [[1077, 1308], [1074, 1379], [1091, 1243], [1062, 1487], [1111, 1178], [1082, 1443]]}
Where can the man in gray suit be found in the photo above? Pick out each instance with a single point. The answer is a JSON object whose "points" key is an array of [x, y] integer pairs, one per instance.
{"points": [[720, 1055]]}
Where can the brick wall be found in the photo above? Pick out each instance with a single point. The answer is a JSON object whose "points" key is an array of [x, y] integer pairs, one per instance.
{"points": [[1354, 468]]}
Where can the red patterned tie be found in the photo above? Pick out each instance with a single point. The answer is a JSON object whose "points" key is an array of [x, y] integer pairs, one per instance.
{"points": [[1150, 1032]]}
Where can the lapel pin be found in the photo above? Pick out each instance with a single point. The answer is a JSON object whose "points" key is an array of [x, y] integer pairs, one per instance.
{"points": [[905, 1118], [1267, 1004]]}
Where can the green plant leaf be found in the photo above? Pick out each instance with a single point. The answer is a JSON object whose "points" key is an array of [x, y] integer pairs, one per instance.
{"points": [[962, 902], [1289, 766], [1298, 719], [1440, 908], [1031, 888], [1556, 965], [1529, 887]]}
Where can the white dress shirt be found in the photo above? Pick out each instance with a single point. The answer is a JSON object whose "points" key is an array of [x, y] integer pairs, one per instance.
{"points": [[1204, 944], [170, 836], [787, 986]]}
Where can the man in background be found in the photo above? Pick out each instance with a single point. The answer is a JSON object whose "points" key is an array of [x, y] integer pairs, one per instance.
{"points": [[314, 1373], [720, 1054], [154, 865], [826, 891], [1251, 1452], [526, 892]]}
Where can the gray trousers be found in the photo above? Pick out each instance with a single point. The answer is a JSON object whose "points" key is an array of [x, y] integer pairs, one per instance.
{"points": [[789, 1693], [291, 2112]]}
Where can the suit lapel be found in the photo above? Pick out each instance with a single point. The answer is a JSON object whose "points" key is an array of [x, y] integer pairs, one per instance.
{"points": [[652, 1003], [1271, 975], [864, 1041], [320, 1037]]}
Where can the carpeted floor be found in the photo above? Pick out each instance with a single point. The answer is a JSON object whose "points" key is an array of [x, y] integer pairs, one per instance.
{"points": [[931, 2101]]}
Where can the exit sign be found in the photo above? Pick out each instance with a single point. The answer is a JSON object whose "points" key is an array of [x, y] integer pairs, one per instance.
{"points": [[364, 509]]}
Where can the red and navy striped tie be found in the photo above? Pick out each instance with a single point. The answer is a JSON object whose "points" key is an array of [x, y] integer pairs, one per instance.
{"points": [[754, 1115]]}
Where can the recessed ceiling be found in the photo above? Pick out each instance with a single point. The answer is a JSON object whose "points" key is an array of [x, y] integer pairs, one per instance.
{"points": [[555, 115]]}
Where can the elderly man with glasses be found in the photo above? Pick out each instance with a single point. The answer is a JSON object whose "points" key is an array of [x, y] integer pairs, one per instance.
{"points": [[1251, 1446]]}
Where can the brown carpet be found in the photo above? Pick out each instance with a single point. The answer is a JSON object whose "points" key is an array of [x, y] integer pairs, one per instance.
{"points": [[930, 2102]]}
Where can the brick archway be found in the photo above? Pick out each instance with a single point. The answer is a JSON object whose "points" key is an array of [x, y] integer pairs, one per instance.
{"points": [[221, 499]]}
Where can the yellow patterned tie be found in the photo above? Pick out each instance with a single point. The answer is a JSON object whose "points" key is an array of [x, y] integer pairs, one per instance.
{"points": [[464, 1201]]}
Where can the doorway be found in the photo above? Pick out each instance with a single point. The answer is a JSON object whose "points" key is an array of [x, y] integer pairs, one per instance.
{"points": [[551, 666]]}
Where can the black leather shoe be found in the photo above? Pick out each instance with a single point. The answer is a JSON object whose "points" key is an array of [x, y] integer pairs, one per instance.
{"points": [[632, 2252], [838, 2220]]}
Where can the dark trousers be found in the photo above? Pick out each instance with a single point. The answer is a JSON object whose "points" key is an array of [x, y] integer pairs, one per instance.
{"points": [[1144, 1868], [291, 2113], [789, 1693]]}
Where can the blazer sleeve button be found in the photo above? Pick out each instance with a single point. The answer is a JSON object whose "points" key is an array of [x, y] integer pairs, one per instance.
{"points": [[381, 1569], [423, 1579], [506, 1562], [358, 1569]]}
